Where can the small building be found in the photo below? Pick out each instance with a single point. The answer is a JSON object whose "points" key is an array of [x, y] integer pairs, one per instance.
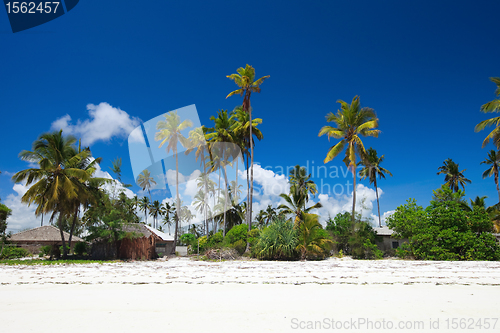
{"points": [[144, 243], [387, 241], [33, 239]]}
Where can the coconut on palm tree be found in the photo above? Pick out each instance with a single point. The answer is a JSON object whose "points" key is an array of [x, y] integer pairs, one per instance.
{"points": [[351, 123], [492, 106], [372, 170], [453, 176], [493, 161], [245, 79], [169, 133]]}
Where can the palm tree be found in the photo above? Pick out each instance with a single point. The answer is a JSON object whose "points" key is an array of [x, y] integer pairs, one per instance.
{"points": [[296, 205], [492, 106], [351, 122], [155, 209], [169, 131], [494, 161], [453, 177], [268, 215], [313, 239], [146, 181], [144, 205], [301, 183], [242, 137], [56, 184], [245, 79], [372, 170], [221, 134]]}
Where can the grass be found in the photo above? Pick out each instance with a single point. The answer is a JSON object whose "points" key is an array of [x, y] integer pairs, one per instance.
{"points": [[29, 262]]}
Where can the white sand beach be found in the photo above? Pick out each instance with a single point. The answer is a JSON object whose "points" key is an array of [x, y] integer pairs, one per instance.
{"points": [[252, 296]]}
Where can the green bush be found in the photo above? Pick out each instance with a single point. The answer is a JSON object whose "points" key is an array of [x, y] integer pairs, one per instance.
{"points": [[278, 241], [46, 250], [80, 248], [188, 239], [10, 252], [237, 233], [253, 236], [61, 249], [444, 231], [357, 239], [240, 246]]}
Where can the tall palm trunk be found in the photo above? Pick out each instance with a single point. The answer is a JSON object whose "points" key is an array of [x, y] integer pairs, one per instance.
{"points": [[75, 216], [178, 208], [378, 203], [354, 193], [65, 253], [496, 182]]}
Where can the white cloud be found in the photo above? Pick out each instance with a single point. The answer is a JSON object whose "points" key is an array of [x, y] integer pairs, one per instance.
{"points": [[23, 216], [105, 122]]}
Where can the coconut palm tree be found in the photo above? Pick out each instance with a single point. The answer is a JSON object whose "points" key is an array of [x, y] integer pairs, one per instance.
{"points": [[492, 106], [372, 170], [313, 239], [155, 209], [245, 80], [296, 205], [453, 177], [493, 161], [242, 137], [146, 181], [219, 136], [144, 205], [56, 183], [351, 122], [169, 132], [301, 183]]}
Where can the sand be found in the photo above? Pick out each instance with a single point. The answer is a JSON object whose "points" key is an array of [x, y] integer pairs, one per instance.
{"points": [[183, 295]]}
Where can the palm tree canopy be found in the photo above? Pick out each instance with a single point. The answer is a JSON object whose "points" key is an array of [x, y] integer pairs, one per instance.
{"points": [[453, 177], [169, 131], [145, 180], [245, 79], [372, 168], [351, 122], [492, 106], [493, 160]]}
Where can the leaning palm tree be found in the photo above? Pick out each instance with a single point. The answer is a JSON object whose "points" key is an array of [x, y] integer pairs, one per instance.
{"points": [[57, 183], [146, 181], [372, 170], [492, 106], [169, 132], [494, 161], [245, 79], [351, 122], [453, 177]]}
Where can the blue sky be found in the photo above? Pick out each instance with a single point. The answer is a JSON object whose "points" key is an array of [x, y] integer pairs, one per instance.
{"points": [[424, 67]]}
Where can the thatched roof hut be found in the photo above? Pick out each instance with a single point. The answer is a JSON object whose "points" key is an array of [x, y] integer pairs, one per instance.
{"points": [[145, 243], [34, 239]]}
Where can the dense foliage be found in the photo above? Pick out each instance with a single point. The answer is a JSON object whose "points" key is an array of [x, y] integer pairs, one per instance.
{"points": [[444, 231], [278, 241], [353, 238]]}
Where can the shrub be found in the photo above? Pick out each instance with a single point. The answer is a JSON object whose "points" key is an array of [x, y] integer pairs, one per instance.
{"points": [[237, 233], [80, 248], [61, 249], [188, 239], [253, 236], [277, 241], [314, 241], [444, 231], [357, 239], [10, 252], [46, 250], [240, 246]]}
